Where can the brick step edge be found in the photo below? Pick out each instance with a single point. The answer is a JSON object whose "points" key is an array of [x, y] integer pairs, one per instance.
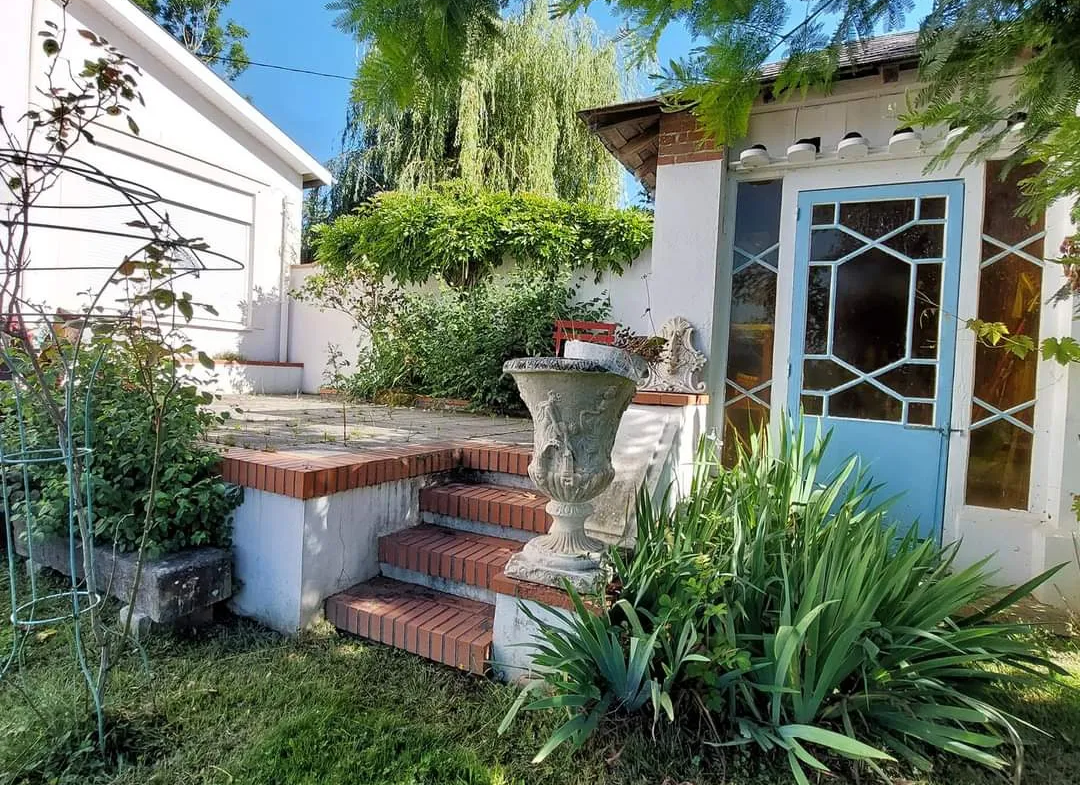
{"points": [[446, 629], [461, 556], [499, 505]]}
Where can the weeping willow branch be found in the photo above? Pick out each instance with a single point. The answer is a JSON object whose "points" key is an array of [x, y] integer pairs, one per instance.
{"points": [[507, 122]]}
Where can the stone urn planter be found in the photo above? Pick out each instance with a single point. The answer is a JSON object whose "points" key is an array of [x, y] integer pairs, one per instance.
{"points": [[576, 405]]}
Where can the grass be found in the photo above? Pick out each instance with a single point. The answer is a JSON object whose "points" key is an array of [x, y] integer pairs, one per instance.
{"points": [[238, 704]]}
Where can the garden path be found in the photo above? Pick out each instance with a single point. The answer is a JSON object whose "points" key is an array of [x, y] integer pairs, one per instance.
{"points": [[278, 422]]}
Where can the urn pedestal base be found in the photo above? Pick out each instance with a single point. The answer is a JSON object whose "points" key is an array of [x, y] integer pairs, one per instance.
{"points": [[587, 577], [565, 553]]}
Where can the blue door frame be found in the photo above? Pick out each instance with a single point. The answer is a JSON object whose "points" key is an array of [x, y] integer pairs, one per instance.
{"points": [[908, 454]]}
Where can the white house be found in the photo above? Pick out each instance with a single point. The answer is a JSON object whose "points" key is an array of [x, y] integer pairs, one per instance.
{"points": [[824, 267], [224, 172]]}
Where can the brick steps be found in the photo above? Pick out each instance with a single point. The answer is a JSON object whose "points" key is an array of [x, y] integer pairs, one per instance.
{"points": [[450, 630], [460, 556], [496, 505], [450, 569]]}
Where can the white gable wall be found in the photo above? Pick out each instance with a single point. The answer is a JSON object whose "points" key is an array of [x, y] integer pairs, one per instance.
{"points": [[216, 181]]}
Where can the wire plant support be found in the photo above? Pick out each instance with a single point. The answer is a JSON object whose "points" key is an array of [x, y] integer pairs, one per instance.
{"points": [[50, 358]]}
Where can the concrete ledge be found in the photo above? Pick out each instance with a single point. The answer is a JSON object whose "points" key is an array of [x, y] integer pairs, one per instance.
{"points": [[171, 588]]}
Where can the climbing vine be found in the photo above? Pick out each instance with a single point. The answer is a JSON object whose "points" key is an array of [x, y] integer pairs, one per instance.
{"points": [[462, 234]]}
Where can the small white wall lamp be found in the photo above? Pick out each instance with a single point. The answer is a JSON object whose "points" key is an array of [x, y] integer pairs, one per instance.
{"points": [[904, 141], [755, 155], [1017, 123], [804, 151], [853, 145], [955, 132]]}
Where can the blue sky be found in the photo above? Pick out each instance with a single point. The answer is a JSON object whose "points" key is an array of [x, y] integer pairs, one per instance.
{"points": [[299, 34]]}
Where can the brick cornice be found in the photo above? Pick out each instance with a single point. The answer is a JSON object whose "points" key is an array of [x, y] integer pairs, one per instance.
{"points": [[306, 475], [655, 398], [682, 140]]}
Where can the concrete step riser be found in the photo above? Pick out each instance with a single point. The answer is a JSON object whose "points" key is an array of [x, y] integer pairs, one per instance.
{"points": [[506, 480], [476, 527], [438, 583]]}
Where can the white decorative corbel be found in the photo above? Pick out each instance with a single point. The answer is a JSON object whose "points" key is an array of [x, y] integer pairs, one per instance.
{"points": [[676, 368]]}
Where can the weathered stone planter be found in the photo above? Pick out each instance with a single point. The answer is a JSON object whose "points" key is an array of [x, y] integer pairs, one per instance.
{"points": [[576, 406], [179, 588]]}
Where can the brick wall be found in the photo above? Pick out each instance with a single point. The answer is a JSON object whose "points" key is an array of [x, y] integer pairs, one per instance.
{"points": [[683, 141]]}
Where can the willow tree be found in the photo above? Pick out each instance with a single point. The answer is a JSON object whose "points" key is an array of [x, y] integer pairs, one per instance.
{"points": [[500, 115]]}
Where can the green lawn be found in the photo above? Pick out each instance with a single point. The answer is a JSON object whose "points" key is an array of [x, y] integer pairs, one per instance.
{"points": [[238, 704]]}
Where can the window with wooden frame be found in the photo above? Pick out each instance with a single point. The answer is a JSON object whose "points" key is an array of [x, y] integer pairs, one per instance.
{"points": [[1003, 399], [751, 332]]}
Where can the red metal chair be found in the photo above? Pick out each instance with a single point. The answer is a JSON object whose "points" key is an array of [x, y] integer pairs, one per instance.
{"points": [[590, 332]]}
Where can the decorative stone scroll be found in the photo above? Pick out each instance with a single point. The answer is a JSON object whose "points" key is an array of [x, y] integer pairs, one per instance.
{"points": [[679, 362]]}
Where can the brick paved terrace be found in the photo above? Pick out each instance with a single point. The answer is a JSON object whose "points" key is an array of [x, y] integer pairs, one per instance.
{"points": [[285, 422]]}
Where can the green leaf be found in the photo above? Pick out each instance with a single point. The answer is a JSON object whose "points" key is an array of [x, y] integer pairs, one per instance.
{"points": [[206, 361], [1063, 351], [838, 742]]}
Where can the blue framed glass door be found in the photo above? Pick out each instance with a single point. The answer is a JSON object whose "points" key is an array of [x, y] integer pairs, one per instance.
{"points": [[873, 337]]}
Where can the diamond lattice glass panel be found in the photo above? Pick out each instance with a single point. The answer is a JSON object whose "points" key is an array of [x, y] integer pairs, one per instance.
{"points": [[921, 413], [1000, 220], [911, 381], [999, 458], [865, 402], [824, 375], [922, 241], [924, 330], [873, 219], [741, 420], [750, 340], [828, 245], [1010, 291], [932, 208], [753, 311], [757, 215], [999, 466], [817, 310], [813, 404], [870, 327], [823, 214]]}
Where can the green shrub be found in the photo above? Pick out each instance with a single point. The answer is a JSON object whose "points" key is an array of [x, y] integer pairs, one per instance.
{"points": [[817, 621], [453, 344], [192, 506]]}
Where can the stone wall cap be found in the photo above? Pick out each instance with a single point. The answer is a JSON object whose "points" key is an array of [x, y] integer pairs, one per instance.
{"points": [[527, 364]]}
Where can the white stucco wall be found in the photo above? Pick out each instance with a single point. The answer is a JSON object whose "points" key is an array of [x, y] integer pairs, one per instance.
{"points": [[291, 554], [217, 181], [312, 331]]}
